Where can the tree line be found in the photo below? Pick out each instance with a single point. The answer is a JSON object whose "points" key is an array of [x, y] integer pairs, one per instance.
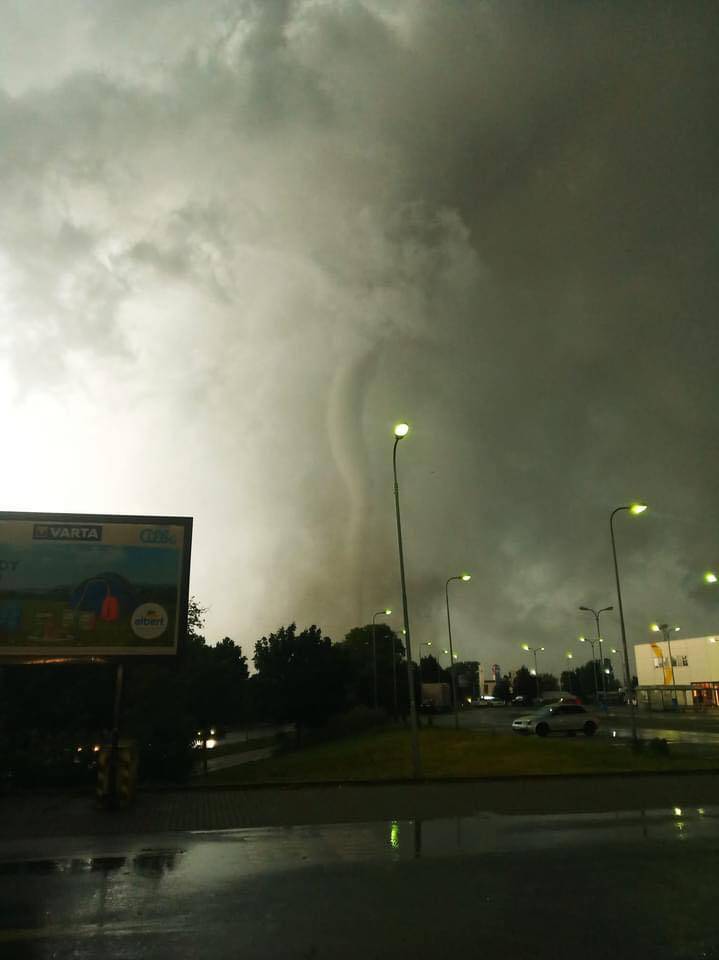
{"points": [[52, 715]]}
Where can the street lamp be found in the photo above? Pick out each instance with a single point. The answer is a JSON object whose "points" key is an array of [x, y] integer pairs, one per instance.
{"points": [[596, 615], [463, 577], [634, 509], [593, 640], [400, 431], [379, 613], [570, 656], [535, 651], [666, 631], [710, 577], [424, 643]]}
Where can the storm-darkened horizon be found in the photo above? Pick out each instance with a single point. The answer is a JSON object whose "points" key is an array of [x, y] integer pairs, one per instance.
{"points": [[241, 240]]}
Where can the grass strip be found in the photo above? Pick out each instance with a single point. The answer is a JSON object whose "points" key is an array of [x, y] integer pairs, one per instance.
{"points": [[385, 755]]}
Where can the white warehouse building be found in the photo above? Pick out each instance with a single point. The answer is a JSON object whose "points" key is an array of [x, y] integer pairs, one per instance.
{"points": [[692, 675]]}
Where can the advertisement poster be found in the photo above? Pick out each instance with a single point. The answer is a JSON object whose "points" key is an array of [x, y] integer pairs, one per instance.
{"points": [[92, 586]]}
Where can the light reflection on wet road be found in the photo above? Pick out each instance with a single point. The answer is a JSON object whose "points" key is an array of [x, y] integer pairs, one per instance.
{"points": [[376, 889]]}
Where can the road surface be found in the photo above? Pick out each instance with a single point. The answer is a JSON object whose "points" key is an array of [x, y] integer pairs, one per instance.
{"points": [[683, 730], [633, 883]]}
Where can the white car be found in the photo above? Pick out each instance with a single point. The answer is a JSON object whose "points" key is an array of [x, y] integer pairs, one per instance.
{"points": [[568, 718]]}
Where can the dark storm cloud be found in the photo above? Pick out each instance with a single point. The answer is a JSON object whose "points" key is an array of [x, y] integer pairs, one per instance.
{"points": [[277, 227]]}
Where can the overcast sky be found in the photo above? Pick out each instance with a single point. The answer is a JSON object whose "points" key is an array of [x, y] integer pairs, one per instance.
{"points": [[238, 241]]}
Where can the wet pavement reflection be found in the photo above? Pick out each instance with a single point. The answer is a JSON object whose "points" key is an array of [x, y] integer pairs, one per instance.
{"points": [[389, 888]]}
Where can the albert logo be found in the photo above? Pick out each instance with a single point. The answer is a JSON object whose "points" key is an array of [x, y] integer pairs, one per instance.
{"points": [[149, 621], [50, 531]]}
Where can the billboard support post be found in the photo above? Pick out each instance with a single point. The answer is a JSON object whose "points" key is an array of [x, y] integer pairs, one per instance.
{"points": [[115, 742]]}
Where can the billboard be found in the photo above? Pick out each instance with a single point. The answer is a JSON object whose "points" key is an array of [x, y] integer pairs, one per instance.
{"points": [[76, 586]]}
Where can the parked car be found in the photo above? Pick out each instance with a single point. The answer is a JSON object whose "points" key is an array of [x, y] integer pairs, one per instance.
{"points": [[569, 718], [522, 701]]}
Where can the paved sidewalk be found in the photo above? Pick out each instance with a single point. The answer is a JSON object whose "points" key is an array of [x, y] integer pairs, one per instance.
{"points": [[65, 814]]}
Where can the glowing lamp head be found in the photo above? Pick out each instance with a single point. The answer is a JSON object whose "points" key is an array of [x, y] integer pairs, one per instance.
{"points": [[401, 430], [570, 656], [654, 627], [582, 639], [388, 612], [637, 508], [466, 577], [710, 577], [525, 646]]}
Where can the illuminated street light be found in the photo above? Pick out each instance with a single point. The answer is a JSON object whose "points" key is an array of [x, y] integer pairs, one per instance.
{"points": [[593, 641], [596, 614], [374, 650], [710, 577], [634, 509], [535, 651], [463, 577], [666, 631], [401, 430], [570, 656]]}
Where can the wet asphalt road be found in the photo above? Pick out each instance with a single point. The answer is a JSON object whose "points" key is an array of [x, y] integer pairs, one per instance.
{"points": [[622, 884], [683, 731]]}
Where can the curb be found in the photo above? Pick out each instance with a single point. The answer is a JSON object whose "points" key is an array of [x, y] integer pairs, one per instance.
{"points": [[424, 781]]}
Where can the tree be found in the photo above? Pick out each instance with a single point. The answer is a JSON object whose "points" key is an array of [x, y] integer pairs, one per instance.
{"points": [[303, 676], [503, 689], [467, 676], [525, 685], [547, 682], [431, 671], [166, 704], [358, 647]]}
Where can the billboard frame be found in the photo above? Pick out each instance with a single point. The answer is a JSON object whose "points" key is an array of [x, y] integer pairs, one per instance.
{"points": [[183, 600]]}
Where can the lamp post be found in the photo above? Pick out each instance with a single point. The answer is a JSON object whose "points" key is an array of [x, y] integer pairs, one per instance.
{"points": [[400, 431], [592, 641], [614, 652], [666, 631], [634, 509], [535, 651], [424, 643], [379, 613], [596, 614], [570, 656], [464, 577]]}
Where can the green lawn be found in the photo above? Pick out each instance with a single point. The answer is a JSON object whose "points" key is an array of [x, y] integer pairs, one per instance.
{"points": [[385, 755], [239, 746]]}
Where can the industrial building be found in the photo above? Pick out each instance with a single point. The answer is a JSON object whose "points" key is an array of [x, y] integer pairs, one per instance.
{"points": [[691, 676]]}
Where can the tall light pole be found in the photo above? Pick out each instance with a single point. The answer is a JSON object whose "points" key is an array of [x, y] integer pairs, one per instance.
{"points": [[666, 631], [570, 656], [611, 662], [424, 643], [592, 640], [380, 613], [535, 651], [464, 577], [400, 431], [634, 509], [596, 614]]}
